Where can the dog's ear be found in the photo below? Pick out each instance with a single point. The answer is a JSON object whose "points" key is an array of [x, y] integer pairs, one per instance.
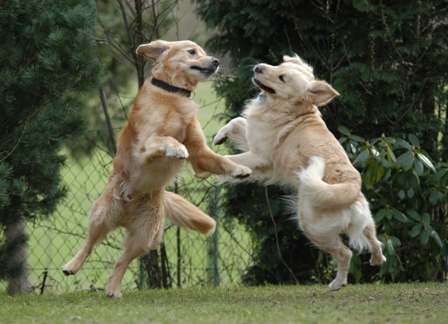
{"points": [[321, 93], [295, 59], [153, 50]]}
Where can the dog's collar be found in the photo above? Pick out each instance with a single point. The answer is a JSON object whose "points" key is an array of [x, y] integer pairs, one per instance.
{"points": [[167, 87], [261, 97]]}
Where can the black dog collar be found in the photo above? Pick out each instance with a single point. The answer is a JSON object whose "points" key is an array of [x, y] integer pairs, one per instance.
{"points": [[167, 87]]}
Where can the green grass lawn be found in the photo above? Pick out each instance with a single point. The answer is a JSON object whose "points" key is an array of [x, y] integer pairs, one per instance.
{"points": [[395, 303]]}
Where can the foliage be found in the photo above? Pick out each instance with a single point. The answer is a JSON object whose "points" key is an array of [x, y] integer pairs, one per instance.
{"points": [[47, 61], [267, 268], [387, 59], [407, 195]]}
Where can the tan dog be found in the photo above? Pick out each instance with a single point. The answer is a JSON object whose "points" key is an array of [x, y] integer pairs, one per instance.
{"points": [[286, 142], [161, 132]]}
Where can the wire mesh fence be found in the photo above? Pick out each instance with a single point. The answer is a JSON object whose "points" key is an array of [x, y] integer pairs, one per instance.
{"points": [[186, 258]]}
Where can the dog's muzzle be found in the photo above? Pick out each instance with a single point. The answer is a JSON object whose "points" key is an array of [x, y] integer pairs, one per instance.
{"points": [[209, 69], [262, 86]]}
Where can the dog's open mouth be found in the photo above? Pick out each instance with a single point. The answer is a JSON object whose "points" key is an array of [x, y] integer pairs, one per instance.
{"points": [[262, 86], [204, 70]]}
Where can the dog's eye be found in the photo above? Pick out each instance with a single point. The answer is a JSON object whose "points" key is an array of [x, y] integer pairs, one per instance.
{"points": [[281, 78], [192, 52]]}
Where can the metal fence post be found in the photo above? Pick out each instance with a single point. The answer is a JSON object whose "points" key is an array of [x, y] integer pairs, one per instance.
{"points": [[213, 241]]}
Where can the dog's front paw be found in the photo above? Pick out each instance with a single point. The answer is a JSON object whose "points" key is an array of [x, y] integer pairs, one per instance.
{"points": [[241, 172], [179, 152], [220, 137]]}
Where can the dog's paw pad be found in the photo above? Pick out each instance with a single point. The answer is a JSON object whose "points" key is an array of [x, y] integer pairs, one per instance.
{"points": [[241, 172], [68, 271], [220, 138], [114, 294]]}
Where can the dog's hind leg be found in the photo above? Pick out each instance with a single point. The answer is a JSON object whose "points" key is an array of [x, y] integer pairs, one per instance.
{"points": [[101, 216], [377, 253], [145, 233], [133, 249], [342, 255], [332, 243]]}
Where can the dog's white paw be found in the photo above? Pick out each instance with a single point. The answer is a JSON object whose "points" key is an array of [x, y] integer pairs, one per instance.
{"points": [[241, 172], [179, 152], [376, 261], [221, 136], [114, 294], [337, 284], [68, 269]]}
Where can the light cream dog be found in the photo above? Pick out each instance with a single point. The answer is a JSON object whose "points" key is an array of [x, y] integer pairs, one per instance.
{"points": [[286, 142], [162, 131]]}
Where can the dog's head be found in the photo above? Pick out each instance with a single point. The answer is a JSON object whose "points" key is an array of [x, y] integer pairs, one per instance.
{"points": [[182, 64], [292, 80]]}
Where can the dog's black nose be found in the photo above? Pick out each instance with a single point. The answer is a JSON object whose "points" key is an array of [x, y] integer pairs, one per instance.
{"points": [[216, 62], [258, 69]]}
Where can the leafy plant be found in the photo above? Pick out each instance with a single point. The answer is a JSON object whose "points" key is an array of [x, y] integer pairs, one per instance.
{"points": [[386, 59], [407, 195]]}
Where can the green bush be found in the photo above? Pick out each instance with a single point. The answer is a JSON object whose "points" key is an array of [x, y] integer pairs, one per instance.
{"points": [[407, 195]]}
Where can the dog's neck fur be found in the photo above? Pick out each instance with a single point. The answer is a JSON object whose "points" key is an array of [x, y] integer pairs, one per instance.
{"points": [[279, 114]]}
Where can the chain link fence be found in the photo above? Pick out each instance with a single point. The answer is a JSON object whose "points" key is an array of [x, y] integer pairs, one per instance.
{"points": [[185, 259]]}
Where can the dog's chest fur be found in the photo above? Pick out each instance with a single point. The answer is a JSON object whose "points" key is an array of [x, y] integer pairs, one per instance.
{"points": [[155, 113], [287, 136]]}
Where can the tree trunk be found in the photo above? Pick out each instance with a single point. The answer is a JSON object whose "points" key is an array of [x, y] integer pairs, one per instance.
{"points": [[151, 261], [20, 284]]}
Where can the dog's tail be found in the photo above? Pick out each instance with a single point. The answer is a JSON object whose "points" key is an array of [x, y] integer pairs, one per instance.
{"points": [[183, 213], [324, 195]]}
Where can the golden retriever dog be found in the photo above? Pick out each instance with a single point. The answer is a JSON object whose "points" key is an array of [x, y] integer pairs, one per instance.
{"points": [[162, 131], [285, 141]]}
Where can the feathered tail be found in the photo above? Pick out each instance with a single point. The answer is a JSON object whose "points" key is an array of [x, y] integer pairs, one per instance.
{"points": [[183, 213], [324, 195]]}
